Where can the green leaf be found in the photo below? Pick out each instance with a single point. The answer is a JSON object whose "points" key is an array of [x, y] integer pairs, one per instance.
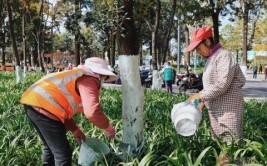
{"points": [[202, 154], [146, 160]]}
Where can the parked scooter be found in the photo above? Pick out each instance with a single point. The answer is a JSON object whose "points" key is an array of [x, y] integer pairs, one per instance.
{"points": [[189, 81], [116, 71], [146, 78]]}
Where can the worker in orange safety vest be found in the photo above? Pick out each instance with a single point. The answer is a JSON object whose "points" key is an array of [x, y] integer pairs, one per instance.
{"points": [[51, 103]]}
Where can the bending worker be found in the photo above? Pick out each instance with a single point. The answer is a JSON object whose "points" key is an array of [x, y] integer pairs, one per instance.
{"points": [[222, 81], [51, 103]]}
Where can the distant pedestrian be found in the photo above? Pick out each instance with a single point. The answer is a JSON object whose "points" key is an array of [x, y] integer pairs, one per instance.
{"points": [[255, 70], [70, 66], [265, 72], [260, 69], [168, 76]]}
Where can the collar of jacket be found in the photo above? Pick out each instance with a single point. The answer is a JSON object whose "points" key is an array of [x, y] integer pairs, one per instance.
{"points": [[214, 49]]}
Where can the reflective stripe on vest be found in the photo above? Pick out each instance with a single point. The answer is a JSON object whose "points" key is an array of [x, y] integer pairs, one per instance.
{"points": [[59, 80]]}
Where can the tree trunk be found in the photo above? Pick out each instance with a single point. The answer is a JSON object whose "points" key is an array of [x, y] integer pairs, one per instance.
{"points": [[187, 54], [24, 44], [154, 54], [113, 50], [215, 19], [14, 44], [141, 53], [77, 34], [245, 34], [250, 43], [165, 44], [132, 111], [3, 57]]}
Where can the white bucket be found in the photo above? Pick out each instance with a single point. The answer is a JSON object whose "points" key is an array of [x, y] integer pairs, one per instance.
{"points": [[186, 118], [92, 150]]}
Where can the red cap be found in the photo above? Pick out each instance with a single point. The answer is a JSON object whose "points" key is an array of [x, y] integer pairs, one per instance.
{"points": [[199, 35]]}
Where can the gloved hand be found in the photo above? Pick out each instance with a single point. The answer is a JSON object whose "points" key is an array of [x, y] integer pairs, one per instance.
{"points": [[78, 135], [110, 132], [193, 97]]}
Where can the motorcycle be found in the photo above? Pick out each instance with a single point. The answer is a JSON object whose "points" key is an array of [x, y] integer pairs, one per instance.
{"points": [[146, 78], [189, 81]]}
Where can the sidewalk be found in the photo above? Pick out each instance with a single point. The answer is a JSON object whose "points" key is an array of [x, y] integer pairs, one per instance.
{"points": [[260, 77], [254, 89]]}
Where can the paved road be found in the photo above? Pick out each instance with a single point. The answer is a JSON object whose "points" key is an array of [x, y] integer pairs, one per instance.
{"points": [[253, 89]]}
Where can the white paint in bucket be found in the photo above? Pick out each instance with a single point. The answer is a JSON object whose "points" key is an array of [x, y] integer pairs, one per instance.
{"points": [[92, 150], [186, 118]]}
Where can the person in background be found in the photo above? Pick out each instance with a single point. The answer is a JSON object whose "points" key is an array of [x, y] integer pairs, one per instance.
{"points": [[260, 69], [265, 72], [255, 71], [70, 66], [51, 103], [168, 76], [222, 81]]}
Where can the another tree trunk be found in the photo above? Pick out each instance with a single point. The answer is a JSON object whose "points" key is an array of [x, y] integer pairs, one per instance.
{"points": [[187, 54], [215, 19], [113, 48], [14, 44], [166, 39], [250, 43], [77, 34], [245, 34], [132, 111]]}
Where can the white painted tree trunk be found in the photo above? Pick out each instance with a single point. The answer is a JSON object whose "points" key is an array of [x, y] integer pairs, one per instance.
{"points": [[157, 80], [25, 71], [18, 72], [132, 101]]}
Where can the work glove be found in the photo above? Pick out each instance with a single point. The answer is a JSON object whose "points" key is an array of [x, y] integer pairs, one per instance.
{"points": [[110, 132], [78, 135], [195, 99]]}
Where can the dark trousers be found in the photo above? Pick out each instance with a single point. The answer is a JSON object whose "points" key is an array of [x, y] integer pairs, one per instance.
{"points": [[255, 75], [168, 84], [56, 149]]}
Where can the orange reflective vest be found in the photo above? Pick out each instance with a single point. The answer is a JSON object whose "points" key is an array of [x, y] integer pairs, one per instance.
{"points": [[57, 94]]}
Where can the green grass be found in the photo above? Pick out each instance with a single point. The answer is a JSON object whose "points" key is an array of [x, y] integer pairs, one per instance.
{"points": [[20, 145]]}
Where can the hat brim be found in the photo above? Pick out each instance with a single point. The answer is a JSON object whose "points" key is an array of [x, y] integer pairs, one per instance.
{"points": [[112, 76], [192, 45]]}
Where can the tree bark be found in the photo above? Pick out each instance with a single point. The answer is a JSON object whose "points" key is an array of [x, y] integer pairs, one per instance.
{"points": [[113, 48], [12, 34], [166, 39], [187, 54], [250, 43], [14, 44], [132, 111], [245, 34], [77, 34], [215, 19]]}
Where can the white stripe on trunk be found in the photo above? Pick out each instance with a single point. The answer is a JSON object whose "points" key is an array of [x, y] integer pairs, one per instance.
{"points": [[157, 80], [132, 100], [18, 72]]}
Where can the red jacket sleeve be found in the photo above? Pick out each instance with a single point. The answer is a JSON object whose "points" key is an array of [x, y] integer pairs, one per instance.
{"points": [[89, 91]]}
